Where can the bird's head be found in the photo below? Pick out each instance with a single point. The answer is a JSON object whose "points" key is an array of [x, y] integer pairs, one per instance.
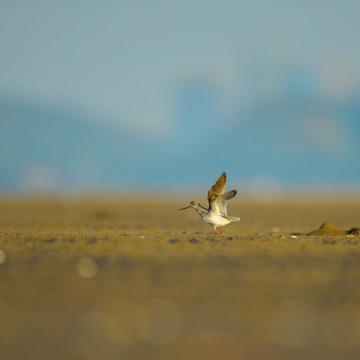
{"points": [[193, 204]]}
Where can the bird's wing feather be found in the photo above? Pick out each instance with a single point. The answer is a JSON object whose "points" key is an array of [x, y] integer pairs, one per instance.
{"points": [[219, 185], [217, 189], [219, 203]]}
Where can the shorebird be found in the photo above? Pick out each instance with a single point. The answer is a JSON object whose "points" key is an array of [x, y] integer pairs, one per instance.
{"points": [[216, 214]]}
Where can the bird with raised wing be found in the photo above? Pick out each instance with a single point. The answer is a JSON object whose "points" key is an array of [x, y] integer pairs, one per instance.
{"points": [[216, 214]]}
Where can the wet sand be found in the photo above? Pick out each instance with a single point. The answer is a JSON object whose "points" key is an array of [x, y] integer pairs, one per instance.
{"points": [[113, 279]]}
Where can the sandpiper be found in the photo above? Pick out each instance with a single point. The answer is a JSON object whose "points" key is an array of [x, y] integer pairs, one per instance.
{"points": [[216, 214]]}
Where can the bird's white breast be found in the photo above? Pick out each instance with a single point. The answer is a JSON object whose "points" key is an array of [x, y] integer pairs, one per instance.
{"points": [[215, 219]]}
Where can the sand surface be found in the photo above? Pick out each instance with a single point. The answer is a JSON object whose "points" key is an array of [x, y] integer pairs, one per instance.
{"points": [[111, 279]]}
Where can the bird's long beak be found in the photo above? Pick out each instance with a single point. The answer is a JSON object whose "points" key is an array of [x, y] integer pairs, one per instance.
{"points": [[185, 208]]}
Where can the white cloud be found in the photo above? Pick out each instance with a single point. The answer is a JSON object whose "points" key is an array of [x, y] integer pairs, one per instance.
{"points": [[39, 177], [326, 132], [339, 79]]}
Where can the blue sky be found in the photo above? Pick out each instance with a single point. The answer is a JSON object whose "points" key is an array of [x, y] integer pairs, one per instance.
{"points": [[161, 70]]}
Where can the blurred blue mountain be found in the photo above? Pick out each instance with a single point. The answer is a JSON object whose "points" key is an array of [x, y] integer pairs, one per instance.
{"points": [[49, 148], [298, 138]]}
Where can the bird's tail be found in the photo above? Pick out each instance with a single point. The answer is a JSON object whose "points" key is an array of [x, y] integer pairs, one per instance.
{"points": [[234, 218]]}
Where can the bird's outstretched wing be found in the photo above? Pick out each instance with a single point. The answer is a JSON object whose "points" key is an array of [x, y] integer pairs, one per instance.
{"points": [[218, 187], [218, 205], [217, 196]]}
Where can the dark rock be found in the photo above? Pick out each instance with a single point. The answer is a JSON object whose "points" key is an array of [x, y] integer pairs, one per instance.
{"points": [[354, 232]]}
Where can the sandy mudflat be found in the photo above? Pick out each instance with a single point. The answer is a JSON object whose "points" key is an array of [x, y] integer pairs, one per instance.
{"points": [[110, 279]]}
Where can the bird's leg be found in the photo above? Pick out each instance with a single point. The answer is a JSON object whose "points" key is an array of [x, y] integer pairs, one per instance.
{"points": [[214, 232], [221, 230]]}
